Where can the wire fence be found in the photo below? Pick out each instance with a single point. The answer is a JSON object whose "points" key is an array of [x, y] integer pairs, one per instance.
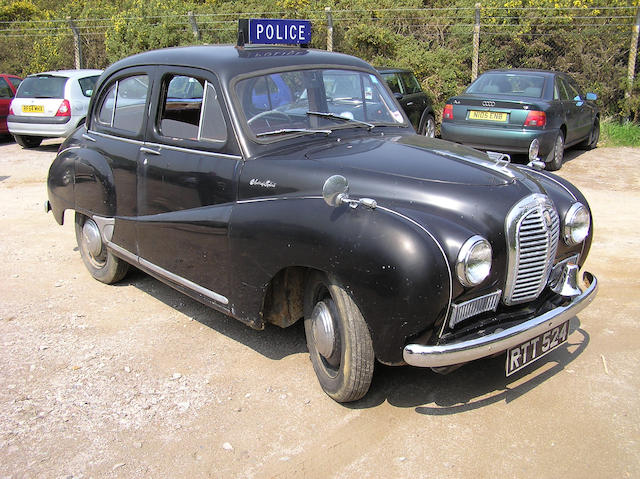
{"points": [[446, 47]]}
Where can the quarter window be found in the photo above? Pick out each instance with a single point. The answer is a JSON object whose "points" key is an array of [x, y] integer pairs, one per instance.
{"points": [[191, 111], [123, 107], [5, 91]]}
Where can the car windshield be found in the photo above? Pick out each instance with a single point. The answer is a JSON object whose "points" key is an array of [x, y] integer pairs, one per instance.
{"points": [[305, 101], [508, 84], [42, 86]]}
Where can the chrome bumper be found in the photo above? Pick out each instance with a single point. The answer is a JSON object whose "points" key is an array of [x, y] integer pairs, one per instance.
{"points": [[482, 346]]}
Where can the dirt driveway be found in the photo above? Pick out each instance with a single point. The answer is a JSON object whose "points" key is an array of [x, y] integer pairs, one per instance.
{"points": [[137, 380]]}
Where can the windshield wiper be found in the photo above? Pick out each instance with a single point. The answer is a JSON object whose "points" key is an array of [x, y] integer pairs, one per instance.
{"points": [[343, 118], [284, 131]]}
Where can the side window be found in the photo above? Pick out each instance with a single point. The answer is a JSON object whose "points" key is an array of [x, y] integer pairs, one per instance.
{"points": [[393, 81], [87, 85], [123, 107], [15, 81], [190, 110], [560, 86], [574, 91], [5, 89], [410, 83]]}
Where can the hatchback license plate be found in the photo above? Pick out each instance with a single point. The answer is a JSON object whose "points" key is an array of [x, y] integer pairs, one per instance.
{"points": [[488, 116], [33, 108], [524, 354]]}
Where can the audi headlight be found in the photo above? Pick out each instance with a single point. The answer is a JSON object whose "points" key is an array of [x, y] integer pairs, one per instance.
{"points": [[474, 261], [576, 224]]}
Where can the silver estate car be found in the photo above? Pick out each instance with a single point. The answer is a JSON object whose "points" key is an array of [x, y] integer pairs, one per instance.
{"points": [[50, 104]]}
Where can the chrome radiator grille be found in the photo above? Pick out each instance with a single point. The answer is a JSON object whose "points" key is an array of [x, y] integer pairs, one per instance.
{"points": [[532, 229]]}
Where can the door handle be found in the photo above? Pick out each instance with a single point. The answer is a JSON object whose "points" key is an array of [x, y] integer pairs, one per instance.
{"points": [[144, 149], [409, 103]]}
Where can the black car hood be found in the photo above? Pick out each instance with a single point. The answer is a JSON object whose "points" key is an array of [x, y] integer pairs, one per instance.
{"points": [[417, 158]]}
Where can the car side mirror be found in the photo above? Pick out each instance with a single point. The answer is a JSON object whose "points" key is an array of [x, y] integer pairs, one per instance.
{"points": [[335, 190], [592, 96], [398, 95]]}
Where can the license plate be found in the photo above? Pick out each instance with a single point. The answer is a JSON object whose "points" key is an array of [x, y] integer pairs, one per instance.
{"points": [[33, 108], [524, 354], [488, 115]]}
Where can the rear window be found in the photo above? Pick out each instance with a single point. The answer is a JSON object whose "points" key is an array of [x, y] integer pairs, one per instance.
{"points": [[508, 84], [42, 86]]}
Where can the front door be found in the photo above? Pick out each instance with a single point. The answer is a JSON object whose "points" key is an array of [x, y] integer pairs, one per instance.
{"points": [[186, 184]]}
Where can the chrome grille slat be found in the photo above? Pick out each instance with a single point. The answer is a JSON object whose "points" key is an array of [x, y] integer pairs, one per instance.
{"points": [[532, 230]]}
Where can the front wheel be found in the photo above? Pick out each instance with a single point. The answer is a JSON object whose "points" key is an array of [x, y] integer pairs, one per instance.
{"points": [[101, 263], [338, 340], [26, 141], [555, 157], [594, 135]]}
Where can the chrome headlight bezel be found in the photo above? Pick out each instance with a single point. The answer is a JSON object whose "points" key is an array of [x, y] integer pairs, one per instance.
{"points": [[473, 264], [576, 224]]}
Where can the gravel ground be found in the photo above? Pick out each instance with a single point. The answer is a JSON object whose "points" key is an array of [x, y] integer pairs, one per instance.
{"points": [[137, 380]]}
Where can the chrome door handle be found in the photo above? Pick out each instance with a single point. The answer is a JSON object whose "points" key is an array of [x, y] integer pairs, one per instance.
{"points": [[409, 103], [144, 149]]}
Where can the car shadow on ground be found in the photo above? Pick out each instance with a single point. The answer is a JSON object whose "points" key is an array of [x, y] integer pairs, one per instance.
{"points": [[272, 342], [473, 386]]}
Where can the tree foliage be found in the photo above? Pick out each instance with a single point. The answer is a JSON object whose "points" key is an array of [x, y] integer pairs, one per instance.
{"points": [[432, 37]]}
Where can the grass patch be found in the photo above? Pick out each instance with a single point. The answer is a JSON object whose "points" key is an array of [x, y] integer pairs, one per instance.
{"points": [[613, 133]]}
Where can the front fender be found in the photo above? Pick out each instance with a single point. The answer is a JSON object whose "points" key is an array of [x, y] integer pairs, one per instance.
{"points": [[393, 269]]}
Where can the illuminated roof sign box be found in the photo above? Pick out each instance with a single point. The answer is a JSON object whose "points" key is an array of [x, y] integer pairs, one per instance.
{"points": [[271, 31]]}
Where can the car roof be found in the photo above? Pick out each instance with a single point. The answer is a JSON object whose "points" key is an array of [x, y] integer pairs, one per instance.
{"points": [[393, 70], [229, 61], [522, 70], [83, 72]]}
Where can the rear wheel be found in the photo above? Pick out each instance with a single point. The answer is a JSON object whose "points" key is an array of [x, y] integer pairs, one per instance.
{"points": [[338, 340], [101, 263], [429, 127], [555, 157], [27, 141]]}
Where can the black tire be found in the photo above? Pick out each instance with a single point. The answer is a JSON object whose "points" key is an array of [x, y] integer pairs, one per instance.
{"points": [[594, 135], [429, 126], [101, 263], [556, 156], [26, 141], [345, 369]]}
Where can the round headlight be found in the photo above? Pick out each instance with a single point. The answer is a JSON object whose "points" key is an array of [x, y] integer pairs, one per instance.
{"points": [[576, 224], [474, 261]]}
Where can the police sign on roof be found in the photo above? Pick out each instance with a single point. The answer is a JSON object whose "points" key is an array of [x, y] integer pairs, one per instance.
{"points": [[266, 31]]}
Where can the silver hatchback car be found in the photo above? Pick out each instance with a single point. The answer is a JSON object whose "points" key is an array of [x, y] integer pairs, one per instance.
{"points": [[50, 104]]}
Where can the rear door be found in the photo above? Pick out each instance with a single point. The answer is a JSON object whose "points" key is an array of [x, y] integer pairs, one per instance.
{"points": [[186, 183], [414, 100]]}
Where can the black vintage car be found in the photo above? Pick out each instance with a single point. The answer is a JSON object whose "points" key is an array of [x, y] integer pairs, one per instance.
{"points": [[279, 184]]}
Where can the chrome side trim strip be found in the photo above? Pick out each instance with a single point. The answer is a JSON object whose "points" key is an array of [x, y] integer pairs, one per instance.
{"points": [[168, 275], [192, 150], [483, 346], [278, 198], [444, 256], [113, 137]]}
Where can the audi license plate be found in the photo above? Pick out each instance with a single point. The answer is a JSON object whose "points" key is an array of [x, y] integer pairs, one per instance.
{"points": [[520, 356], [488, 116], [33, 108]]}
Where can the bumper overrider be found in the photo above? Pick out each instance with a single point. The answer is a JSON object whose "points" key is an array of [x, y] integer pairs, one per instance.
{"points": [[480, 346]]}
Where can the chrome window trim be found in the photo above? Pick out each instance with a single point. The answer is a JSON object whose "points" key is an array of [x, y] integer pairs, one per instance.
{"points": [[114, 137], [193, 150]]}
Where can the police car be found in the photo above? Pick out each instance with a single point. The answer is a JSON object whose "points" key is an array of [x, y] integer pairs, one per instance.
{"points": [[280, 184]]}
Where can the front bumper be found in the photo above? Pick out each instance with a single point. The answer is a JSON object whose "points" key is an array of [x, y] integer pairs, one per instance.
{"points": [[480, 346]]}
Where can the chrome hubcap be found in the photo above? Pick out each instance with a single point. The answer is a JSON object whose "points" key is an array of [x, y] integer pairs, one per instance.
{"points": [[559, 148], [430, 130], [324, 334], [92, 239]]}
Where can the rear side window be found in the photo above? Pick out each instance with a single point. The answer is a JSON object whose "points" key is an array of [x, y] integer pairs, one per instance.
{"points": [[15, 81], [190, 110], [410, 82], [42, 86], [5, 90], [87, 85], [123, 107]]}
